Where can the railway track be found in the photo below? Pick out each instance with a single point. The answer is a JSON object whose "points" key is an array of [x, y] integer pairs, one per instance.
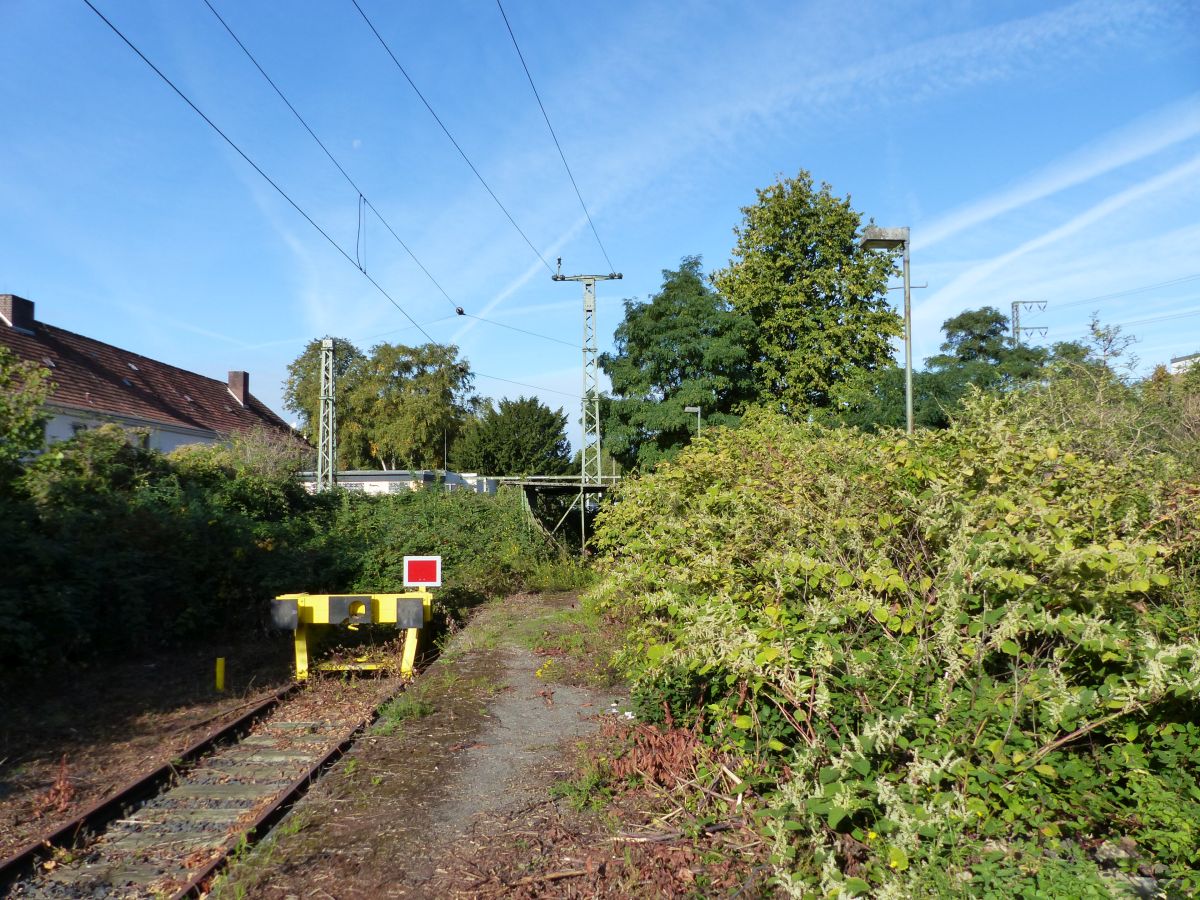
{"points": [[168, 833]]}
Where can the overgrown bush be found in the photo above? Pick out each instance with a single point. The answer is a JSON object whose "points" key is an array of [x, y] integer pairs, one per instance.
{"points": [[111, 549], [956, 663], [487, 545]]}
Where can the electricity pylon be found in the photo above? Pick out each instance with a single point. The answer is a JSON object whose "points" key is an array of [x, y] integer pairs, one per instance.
{"points": [[327, 423], [1017, 330], [589, 454]]}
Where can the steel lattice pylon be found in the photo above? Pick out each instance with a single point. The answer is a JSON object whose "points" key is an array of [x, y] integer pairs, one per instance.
{"points": [[327, 424], [590, 451], [590, 471]]}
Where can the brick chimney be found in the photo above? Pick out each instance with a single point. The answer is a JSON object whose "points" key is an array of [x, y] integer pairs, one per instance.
{"points": [[17, 312], [239, 386]]}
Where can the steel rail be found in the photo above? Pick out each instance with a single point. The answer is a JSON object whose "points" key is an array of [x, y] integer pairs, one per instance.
{"points": [[105, 811], [250, 834]]}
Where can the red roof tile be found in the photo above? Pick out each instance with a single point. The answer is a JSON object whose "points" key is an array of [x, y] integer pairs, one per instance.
{"points": [[98, 377]]}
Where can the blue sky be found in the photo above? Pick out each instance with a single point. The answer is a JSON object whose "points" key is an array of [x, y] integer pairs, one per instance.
{"points": [[1037, 151]]}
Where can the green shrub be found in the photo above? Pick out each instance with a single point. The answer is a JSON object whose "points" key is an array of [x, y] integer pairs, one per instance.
{"points": [[117, 549], [952, 659], [486, 544]]}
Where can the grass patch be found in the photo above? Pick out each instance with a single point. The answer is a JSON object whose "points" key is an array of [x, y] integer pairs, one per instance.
{"points": [[250, 864], [407, 706], [562, 574], [576, 641]]}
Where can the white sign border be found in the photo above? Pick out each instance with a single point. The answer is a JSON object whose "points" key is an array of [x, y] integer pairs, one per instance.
{"points": [[427, 584]]}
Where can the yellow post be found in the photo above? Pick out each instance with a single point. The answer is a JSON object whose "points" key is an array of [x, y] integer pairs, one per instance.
{"points": [[410, 651], [220, 673], [300, 639]]}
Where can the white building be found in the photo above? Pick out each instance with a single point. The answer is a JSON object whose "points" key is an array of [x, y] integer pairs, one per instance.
{"points": [[397, 481], [1180, 364], [96, 383]]}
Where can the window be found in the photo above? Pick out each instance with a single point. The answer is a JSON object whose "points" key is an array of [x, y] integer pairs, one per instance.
{"points": [[78, 427]]}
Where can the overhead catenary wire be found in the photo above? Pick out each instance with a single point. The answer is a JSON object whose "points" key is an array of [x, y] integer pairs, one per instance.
{"points": [[561, 155], [282, 193], [446, 130], [240, 152], [1129, 292], [533, 387], [1149, 321], [1166, 318], [535, 334], [363, 199]]}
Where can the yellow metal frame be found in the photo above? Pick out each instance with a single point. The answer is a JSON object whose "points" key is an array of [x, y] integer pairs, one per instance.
{"points": [[380, 609]]}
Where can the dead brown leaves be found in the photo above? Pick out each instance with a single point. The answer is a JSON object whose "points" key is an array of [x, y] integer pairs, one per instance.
{"points": [[59, 797]]}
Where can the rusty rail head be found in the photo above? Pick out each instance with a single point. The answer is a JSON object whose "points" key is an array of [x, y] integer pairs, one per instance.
{"points": [[198, 883], [104, 811]]}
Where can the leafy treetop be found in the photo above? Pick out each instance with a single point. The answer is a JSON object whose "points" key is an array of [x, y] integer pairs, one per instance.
{"points": [[816, 296], [520, 437], [24, 389], [685, 347], [397, 407]]}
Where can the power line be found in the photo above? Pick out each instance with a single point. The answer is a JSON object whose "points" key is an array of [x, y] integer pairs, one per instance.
{"points": [[561, 155], [530, 386], [544, 337], [363, 199], [256, 168], [308, 218], [460, 150], [1129, 292], [1152, 319], [1182, 315]]}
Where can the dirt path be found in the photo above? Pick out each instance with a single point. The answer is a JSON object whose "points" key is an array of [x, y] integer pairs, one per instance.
{"points": [[471, 751]]}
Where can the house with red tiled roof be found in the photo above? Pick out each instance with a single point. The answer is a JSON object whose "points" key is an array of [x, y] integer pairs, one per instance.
{"points": [[95, 383]]}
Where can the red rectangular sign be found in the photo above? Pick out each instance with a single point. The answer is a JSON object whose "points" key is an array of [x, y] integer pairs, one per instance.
{"points": [[422, 571]]}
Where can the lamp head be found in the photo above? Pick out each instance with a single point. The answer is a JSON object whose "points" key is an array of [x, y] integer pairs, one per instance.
{"points": [[876, 238]]}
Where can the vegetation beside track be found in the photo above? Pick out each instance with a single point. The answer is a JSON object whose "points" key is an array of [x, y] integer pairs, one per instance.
{"points": [[966, 662], [115, 549]]}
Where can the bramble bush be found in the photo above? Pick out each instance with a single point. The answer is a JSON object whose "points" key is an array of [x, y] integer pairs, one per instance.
{"points": [[965, 662], [112, 549]]}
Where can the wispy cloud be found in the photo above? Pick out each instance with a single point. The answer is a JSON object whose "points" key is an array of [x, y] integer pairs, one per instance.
{"points": [[520, 281], [966, 284], [1145, 137]]}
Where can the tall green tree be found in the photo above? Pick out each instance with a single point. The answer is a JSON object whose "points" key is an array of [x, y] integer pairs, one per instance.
{"points": [[302, 387], [397, 407], [815, 295], [685, 347], [978, 352], [518, 437]]}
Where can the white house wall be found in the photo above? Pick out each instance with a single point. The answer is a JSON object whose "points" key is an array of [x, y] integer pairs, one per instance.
{"points": [[64, 425]]}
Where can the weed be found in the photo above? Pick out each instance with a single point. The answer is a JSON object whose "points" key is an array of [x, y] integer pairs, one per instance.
{"points": [[407, 706], [944, 659], [589, 791], [557, 575]]}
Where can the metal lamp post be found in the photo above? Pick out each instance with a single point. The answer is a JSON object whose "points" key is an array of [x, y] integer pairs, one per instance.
{"points": [[696, 410], [876, 238]]}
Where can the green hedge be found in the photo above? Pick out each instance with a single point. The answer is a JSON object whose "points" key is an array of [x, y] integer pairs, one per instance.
{"points": [[113, 549]]}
